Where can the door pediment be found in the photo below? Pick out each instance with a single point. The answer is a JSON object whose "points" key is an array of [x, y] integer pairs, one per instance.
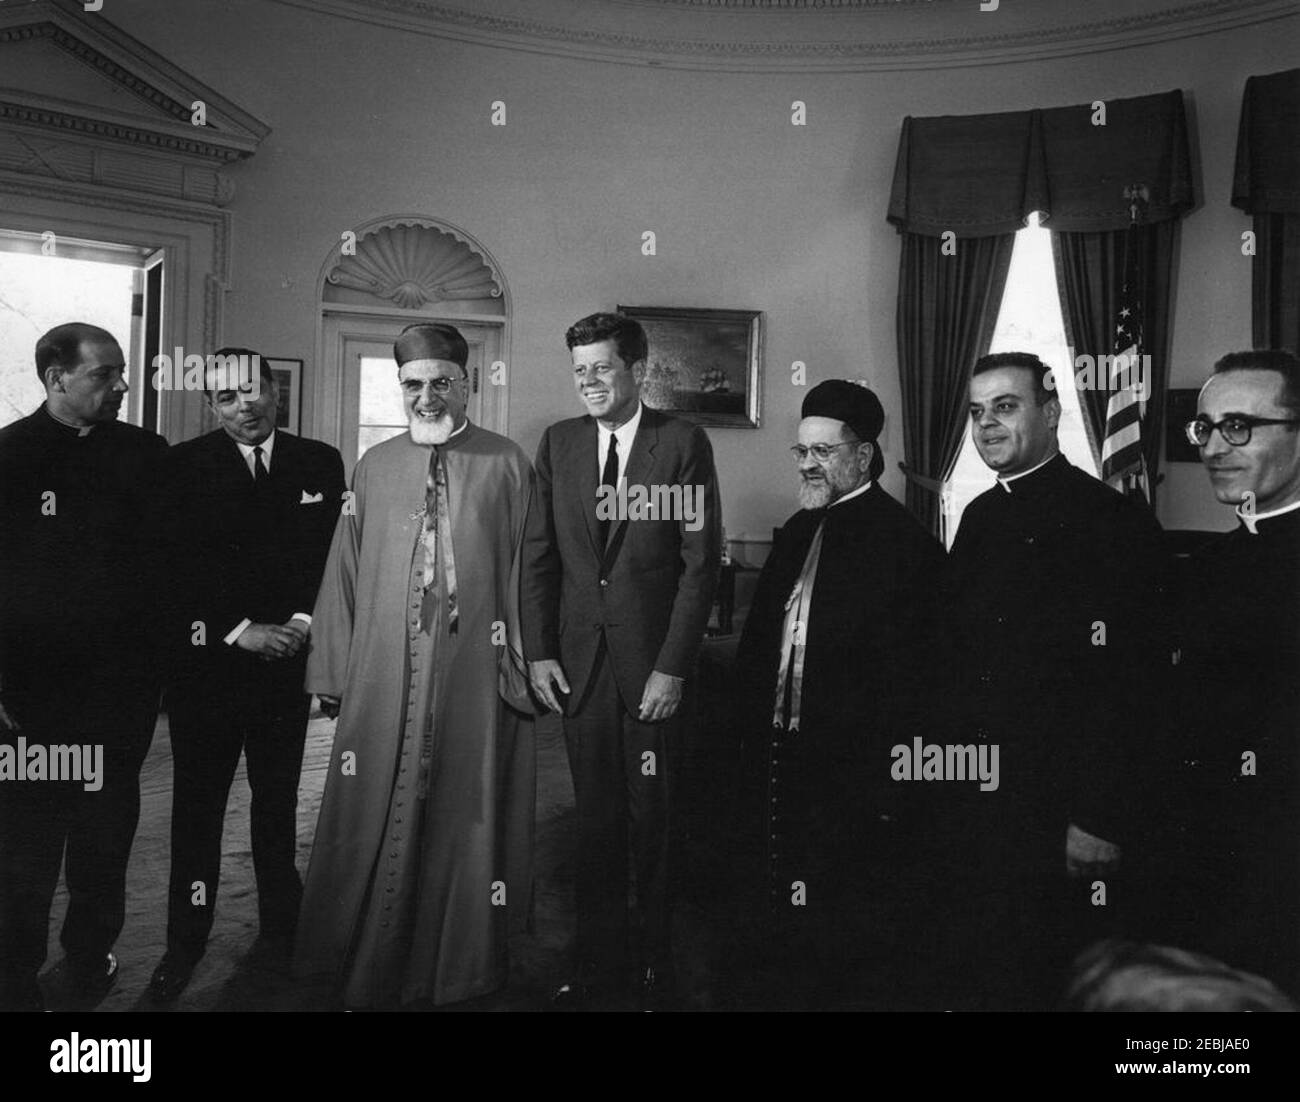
{"points": [[83, 101]]}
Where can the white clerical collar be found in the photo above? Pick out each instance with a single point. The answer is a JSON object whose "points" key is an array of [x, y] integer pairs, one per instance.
{"points": [[267, 445], [624, 433], [82, 430], [1250, 520], [852, 494], [1012, 477]]}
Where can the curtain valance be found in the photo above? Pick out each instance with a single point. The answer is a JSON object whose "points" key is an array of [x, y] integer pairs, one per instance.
{"points": [[1267, 179], [979, 175]]}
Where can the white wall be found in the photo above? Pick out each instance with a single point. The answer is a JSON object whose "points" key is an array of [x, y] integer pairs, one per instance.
{"points": [[749, 211]]}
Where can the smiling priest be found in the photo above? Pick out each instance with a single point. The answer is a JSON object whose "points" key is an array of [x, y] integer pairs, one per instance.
{"points": [[420, 866]]}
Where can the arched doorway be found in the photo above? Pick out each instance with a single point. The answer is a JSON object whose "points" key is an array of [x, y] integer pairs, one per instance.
{"points": [[383, 276]]}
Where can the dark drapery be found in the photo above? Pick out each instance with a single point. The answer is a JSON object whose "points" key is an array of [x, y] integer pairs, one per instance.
{"points": [[1266, 184], [1090, 275], [1275, 282], [978, 175], [947, 309], [977, 179]]}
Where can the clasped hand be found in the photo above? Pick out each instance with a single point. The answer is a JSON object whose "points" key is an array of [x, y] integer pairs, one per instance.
{"points": [[271, 642]]}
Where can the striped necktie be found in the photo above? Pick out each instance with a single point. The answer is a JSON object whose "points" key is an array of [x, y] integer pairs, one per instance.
{"points": [[436, 533]]}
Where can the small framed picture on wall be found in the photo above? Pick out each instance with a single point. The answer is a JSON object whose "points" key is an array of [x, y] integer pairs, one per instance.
{"points": [[288, 380]]}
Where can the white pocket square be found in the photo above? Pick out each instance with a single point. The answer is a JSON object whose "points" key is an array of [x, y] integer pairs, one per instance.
{"points": [[312, 499]]}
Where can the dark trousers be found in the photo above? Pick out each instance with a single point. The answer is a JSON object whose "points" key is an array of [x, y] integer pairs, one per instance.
{"points": [[620, 806], [43, 821], [210, 725]]}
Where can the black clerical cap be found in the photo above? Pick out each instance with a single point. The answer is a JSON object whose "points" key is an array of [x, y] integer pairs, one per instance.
{"points": [[852, 403]]}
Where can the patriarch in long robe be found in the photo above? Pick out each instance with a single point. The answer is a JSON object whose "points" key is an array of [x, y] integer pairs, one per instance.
{"points": [[420, 867]]}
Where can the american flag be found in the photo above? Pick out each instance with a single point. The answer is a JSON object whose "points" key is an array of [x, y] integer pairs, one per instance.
{"points": [[1122, 463]]}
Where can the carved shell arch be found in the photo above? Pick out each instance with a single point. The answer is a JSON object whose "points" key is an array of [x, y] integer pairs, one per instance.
{"points": [[415, 264]]}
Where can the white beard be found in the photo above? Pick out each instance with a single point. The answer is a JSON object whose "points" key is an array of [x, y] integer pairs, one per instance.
{"points": [[437, 431], [815, 495]]}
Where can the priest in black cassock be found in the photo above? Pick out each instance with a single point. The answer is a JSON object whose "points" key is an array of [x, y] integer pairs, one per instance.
{"points": [[832, 673], [1239, 679], [1057, 658], [78, 667]]}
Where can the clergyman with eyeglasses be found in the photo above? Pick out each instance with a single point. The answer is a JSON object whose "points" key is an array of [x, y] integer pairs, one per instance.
{"points": [[420, 864], [833, 664], [1239, 677]]}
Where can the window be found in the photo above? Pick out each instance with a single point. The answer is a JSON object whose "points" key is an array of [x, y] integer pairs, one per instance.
{"points": [[38, 292], [382, 413], [1029, 321]]}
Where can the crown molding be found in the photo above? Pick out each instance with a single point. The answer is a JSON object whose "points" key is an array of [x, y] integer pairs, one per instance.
{"points": [[780, 54], [780, 5]]}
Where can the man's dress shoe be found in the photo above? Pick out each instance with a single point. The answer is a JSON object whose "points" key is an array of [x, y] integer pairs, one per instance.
{"points": [[171, 976], [95, 978]]}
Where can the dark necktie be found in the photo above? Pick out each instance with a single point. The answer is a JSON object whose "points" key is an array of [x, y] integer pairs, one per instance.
{"points": [[261, 476], [609, 477]]}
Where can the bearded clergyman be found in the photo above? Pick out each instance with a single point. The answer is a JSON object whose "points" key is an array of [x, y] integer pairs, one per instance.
{"points": [[831, 677], [420, 864]]}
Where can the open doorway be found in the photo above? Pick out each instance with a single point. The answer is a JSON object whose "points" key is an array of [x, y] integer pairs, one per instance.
{"points": [[46, 280]]}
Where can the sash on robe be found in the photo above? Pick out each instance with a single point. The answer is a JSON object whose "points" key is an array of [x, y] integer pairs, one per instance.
{"points": [[794, 635]]}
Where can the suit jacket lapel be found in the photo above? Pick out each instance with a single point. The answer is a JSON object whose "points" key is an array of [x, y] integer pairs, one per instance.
{"points": [[640, 462], [230, 460], [282, 459], [588, 478]]}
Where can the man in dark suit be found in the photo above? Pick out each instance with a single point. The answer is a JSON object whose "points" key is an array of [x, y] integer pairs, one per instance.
{"points": [[77, 616], [614, 606], [1054, 609], [832, 674], [251, 511]]}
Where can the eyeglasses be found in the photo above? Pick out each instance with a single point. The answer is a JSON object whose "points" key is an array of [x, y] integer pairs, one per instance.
{"points": [[820, 452], [1235, 429], [441, 385]]}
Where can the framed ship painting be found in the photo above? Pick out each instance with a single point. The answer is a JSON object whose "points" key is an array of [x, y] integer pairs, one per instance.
{"points": [[704, 365]]}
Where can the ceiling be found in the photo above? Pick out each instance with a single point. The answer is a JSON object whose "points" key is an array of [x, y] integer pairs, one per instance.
{"points": [[807, 35]]}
